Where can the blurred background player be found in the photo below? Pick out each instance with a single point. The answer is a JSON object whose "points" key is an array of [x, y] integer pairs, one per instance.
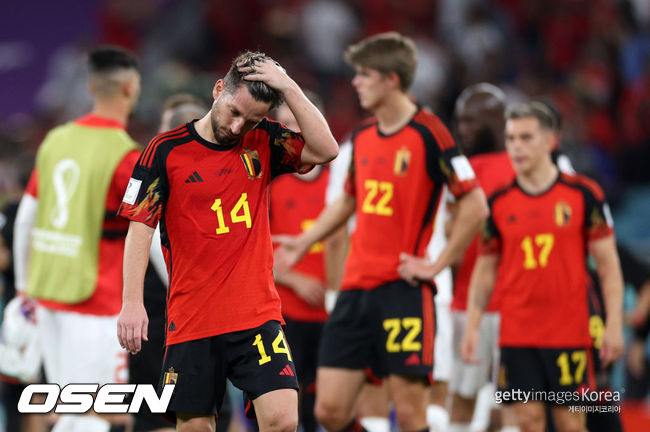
{"points": [[296, 201], [146, 366], [480, 126], [544, 334], [68, 240], [381, 321]]}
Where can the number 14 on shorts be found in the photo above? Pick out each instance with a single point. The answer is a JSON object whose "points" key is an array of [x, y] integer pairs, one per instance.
{"points": [[279, 346]]}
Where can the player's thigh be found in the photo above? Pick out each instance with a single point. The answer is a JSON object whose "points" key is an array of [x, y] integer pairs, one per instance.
{"points": [[567, 421], [531, 416], [277, 410], [410, 397], [403, 324], [186, 422], [373, 401]]}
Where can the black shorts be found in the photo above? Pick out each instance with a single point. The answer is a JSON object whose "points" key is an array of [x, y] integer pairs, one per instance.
{"points": [[304, 338], [257, 361], [554, 371], [389, 329]]}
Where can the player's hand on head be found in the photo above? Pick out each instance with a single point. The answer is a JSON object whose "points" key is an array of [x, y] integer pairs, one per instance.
{"points": [[415, 270], [267, 71], [132, 327], [611, 348], [468, 346]]}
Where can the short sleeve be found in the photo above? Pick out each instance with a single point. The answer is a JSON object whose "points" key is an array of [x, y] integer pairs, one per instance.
{"points": [[144, 199], [286, 149], [598, 217], [457, 172], [339, 168], [350, 185], [490, 238]]}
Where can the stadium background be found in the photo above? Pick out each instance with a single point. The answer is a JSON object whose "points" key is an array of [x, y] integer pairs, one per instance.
{"points": [[590, 57]]}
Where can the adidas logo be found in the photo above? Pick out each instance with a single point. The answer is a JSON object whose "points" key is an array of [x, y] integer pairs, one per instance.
{"points": [[413, 360], [194, 178], [286, 371], [172, 327]]}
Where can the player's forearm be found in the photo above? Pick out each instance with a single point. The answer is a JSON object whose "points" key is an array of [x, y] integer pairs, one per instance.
{"points": [[320, 145], [480, 288], [25, 219], [335, 253], [136, 258], [611, 280], [332, 218], [472, 209]]}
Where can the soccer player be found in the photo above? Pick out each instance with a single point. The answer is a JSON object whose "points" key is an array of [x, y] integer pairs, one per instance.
{"points": [[207, 183], [480, 124], [69, 241], [401, 158], [145, 366], [533, 248], [296, 201]]}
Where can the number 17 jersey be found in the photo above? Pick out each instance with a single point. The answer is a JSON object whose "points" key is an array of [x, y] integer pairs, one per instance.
{"points": [[397, 181], [212, 204]]}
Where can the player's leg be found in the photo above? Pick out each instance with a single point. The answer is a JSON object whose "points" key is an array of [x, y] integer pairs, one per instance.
{"points": [[373, 407], [344, 354], [186, 422], [567, 421], [438, 409], [277, 410], [410, 396], [531, 416]]}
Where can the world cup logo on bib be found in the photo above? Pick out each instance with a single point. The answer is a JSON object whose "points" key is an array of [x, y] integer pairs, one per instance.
{"points": [[65, 179]]}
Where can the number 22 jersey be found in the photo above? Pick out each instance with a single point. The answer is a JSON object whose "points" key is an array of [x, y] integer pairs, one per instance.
{"points": [[212, 204]]}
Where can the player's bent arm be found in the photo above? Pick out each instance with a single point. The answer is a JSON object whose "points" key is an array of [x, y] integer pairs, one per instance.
{"points": [[331, 219], [336, 248], [132, 322], [611, 280], [320, 146], [25, 220], [472, 209]]}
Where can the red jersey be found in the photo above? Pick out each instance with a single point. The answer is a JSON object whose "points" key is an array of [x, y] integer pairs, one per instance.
{"points": [[492, 170], [107, 297], [212, 204], [397, 182], [542, 242], [295, 205]]}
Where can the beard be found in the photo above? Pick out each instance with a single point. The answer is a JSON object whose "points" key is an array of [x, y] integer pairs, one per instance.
{"points": [[219, 136]]}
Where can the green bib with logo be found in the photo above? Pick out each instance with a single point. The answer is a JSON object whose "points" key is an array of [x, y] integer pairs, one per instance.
{"points": [[75, 167]]}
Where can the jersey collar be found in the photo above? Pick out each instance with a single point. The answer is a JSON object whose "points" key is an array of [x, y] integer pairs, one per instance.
{"points": [[93, 120]]}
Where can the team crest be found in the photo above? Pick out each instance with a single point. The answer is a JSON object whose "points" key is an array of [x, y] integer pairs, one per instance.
{"points": [[562, 214], [402, 160], [251, 160], [170, 377]]}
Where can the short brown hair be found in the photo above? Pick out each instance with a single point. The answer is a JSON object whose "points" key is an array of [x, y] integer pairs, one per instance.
{"points": [[546, 118], [386, 53], [260, 91]]}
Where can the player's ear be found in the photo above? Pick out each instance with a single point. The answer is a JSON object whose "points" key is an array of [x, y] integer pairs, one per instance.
{"points": [[218, 89], [393, 78]]}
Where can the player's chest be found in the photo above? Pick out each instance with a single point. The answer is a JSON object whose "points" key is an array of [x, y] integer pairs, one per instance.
{"points": [[389, 159]]}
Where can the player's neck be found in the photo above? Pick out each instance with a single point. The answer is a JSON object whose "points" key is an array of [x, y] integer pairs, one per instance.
{"points": [[539, 179], [395, 112], [203, 127], [113, 111]]}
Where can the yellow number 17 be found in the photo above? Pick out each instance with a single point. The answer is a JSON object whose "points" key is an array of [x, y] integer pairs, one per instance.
{"points": [[545, 242]]}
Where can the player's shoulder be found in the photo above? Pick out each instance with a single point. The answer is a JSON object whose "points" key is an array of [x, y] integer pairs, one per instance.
{"points": [[583, 183], [164, 141], [367, 123], [431, 127], [502, 189]]}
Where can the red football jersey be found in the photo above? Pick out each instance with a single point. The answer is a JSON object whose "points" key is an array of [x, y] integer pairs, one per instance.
{"points": [[295, 205], [212, 204], [397, 182], [492, 170], [542, 242]]}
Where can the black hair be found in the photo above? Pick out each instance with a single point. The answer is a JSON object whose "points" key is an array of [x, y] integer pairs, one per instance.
{"points": [[110, 58]]}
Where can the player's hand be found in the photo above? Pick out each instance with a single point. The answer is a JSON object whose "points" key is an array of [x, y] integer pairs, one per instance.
{"points": [[269, 72], [309, 289], [132, 327], [288, 254], [415, 270], [611, 348], [468, 346]]}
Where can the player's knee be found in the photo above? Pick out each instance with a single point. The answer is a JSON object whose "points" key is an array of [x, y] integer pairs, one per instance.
{"points": [[331, 416], [281, 421], [531, 422], [409, 417], [462, 409]]}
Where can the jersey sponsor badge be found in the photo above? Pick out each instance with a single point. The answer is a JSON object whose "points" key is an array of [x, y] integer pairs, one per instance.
{"points": [[462, 168], [132, 190], [562, 213], [251, 160], [402, 160]]}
